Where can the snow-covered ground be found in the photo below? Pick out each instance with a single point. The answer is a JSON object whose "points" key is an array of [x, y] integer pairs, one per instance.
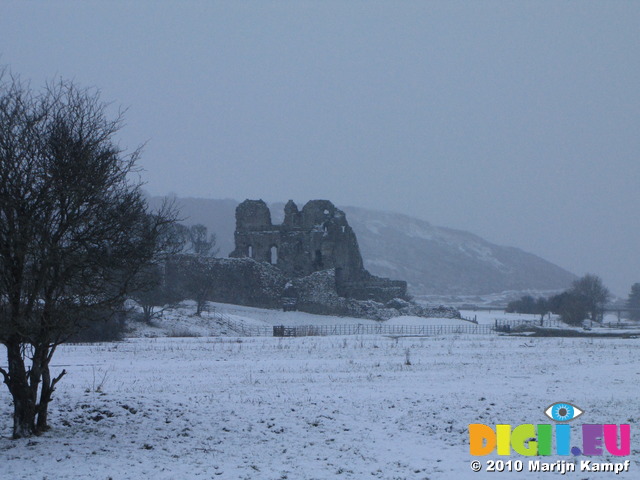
{"points": [[490, 317], [181, 321], [314, 407]]}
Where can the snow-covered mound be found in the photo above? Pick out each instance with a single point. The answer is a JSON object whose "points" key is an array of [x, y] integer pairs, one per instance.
{"points": [[221, 319]]}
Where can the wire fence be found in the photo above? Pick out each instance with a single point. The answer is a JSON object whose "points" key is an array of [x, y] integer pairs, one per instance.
{"points": [[506, 325], [501, 325], [242, 328], [360, 329]]}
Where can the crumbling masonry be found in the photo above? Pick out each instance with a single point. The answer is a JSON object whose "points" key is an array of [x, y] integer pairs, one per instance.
{"points": [[315, 239]]}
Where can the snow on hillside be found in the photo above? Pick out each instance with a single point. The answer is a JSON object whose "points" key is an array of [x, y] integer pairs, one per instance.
{"points": [[359, 407], [438, 260]]}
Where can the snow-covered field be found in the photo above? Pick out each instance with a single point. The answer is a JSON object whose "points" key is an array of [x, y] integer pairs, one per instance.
{"points": [[490, 316], [314, 407], [181, 321]]}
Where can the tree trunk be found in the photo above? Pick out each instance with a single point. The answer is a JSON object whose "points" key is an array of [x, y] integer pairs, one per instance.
{"points": [[45, 398], [29, 417], [47, 388], [147, 313], [24, 402], [24, 415]]}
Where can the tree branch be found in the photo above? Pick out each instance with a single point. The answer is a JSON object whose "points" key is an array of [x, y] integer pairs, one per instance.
{"points": [[57, 379], [5, 374]]}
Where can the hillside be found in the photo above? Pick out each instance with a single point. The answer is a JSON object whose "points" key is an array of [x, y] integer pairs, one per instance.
{"points": [[433, 260], [437, 260]]}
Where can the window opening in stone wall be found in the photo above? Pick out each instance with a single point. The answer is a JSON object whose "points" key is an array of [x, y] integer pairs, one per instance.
{"points": [[250, 251], [274, 255]]}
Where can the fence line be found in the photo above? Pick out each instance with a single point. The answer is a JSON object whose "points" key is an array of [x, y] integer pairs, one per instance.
{"points": [[247, 330], [244, 329], [502, 325], [360, 329], [241, 327]]}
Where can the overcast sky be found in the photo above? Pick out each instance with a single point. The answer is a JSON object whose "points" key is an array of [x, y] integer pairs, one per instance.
{"points": [[518, 121]]}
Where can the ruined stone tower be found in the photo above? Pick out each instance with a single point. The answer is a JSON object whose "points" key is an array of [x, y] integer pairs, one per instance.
{"points": [[314, 239]]}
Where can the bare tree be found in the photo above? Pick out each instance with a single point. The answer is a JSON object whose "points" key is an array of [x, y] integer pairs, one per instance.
{"points": [[156, 294], [194, 272], [571, 306], [74, 232], [196, 278], [201, 244], [633, 302], [593, 293]]}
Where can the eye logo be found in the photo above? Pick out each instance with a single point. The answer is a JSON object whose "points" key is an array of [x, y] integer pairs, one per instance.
{"points": [[531, 440], [563, 412]]}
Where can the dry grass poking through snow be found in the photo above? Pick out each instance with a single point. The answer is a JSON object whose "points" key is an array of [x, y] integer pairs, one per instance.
{"points": [[310, 408]]}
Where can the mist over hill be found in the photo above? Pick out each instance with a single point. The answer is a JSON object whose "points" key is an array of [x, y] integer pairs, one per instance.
{"points": [[437, 260], [433, 260]]}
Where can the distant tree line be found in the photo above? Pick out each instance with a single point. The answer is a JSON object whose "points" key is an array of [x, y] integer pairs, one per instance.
{"points": [[585, 299]]}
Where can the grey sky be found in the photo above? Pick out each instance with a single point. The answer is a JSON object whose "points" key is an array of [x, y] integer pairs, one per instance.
{"points": [[518, 121]]}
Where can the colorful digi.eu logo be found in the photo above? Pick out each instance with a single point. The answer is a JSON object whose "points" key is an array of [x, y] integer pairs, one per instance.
{"points": [[529, 439], [562, 412]]}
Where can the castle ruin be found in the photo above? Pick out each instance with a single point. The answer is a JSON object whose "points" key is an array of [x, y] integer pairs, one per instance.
{"points": [[317, 238]]}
